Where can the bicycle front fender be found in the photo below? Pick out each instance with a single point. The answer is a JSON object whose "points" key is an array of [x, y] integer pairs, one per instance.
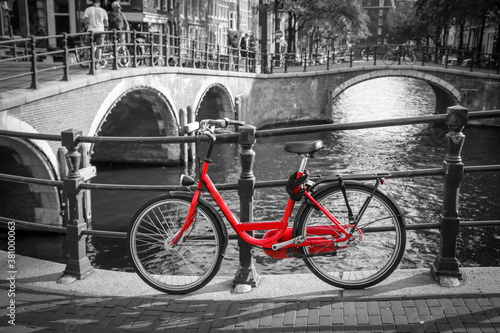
{"points": [[201, 201]]}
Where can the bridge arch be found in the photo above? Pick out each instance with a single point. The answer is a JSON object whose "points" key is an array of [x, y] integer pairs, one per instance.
{"points": [[215, 102], [138, 111], [446, 94], [29, 158]]}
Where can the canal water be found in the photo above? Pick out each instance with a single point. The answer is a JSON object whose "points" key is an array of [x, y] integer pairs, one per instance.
{"points": [[360, 151]]}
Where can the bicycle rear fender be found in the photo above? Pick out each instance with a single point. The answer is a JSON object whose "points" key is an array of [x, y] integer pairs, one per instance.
{"points": [[347, 182], [207, 204]]}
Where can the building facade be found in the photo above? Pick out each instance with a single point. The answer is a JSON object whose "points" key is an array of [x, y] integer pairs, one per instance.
{"points": [[377, 11], [200, 20]]}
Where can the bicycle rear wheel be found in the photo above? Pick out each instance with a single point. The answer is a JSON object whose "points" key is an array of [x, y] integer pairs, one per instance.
{"points": [[410, 58], [389, 58], [379, 246], [188, 266]]}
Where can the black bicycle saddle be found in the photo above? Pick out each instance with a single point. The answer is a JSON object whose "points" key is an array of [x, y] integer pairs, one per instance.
{"points": [[304, 147]]}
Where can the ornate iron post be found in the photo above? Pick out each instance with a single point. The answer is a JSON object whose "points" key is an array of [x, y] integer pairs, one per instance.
{"points": [[446, 265], [246, 275], [78, 265]]}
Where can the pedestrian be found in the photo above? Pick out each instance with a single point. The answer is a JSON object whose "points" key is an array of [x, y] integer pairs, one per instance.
{"points": [[244, 45], [96, 20], [117, 20]]}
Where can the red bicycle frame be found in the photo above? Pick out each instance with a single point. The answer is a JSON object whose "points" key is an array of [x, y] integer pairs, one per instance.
{"points": [[241, 228]]}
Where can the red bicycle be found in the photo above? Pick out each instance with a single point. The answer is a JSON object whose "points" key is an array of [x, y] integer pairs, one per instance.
{"points": [[349, 234]]}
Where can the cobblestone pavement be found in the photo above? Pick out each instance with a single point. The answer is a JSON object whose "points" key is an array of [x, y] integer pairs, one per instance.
{"points": [[37, 311]]}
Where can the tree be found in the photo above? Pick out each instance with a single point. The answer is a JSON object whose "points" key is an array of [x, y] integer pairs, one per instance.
{"points": [[322, 19], [404, 24]]}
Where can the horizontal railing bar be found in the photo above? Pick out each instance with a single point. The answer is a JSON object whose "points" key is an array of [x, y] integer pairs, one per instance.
{"points": [[262, 133], [31, 226], [31, 180], [487, 223], [36, 136], [351, 126], [481, 168], [105, 233], [258, 184]]}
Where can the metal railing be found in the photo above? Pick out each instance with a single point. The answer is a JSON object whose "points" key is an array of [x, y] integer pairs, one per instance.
{"points": [[30, 57], [75, 182]]}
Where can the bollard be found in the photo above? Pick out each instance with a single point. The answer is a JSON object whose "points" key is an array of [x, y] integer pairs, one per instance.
{"points": [[246, 275], [445, 267], [78, 265]]}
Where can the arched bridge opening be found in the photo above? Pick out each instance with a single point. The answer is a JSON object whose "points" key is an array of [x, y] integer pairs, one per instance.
{"points": [[215, 103], [446, 94], [27, 202], [138, 112]]}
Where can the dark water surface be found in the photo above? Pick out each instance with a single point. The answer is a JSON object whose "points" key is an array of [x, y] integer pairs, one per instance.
{"points": [[359, 151]]}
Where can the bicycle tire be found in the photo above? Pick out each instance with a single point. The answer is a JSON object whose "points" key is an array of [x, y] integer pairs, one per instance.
{"points": [[389, 58], [157, 59], [123, 56], [375, 256], [410, 58], [83, 57], [193, 262]]}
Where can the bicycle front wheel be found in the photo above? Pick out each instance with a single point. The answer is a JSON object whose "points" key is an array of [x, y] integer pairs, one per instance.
{"points": [[123, 56], [379, 244], [189, 265], [389, 58], [410, 58]]}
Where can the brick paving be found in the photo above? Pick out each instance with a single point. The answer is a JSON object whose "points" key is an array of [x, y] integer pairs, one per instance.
{"points": [[47, 311]]}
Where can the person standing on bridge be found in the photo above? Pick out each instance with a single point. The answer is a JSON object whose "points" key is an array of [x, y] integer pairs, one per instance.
{"points": [[117, 20], [96, 20]]}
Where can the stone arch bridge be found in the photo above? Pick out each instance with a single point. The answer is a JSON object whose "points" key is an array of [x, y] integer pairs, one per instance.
{"points": [[155, 101]]}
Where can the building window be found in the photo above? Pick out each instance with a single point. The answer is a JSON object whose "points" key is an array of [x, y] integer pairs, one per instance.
{"points": [[380, 21], [379, 31], [381, 3], [380, 12], [379, 40], [232, 21]]}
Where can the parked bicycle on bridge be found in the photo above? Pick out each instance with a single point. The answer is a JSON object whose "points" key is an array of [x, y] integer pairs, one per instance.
{"points": [[400, 53], [351, 235], [144, 47], [83, 47]]}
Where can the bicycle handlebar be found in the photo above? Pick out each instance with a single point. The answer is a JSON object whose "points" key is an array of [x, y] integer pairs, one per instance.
{"points": [[222, 123]]}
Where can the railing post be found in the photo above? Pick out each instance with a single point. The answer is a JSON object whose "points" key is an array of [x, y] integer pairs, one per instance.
{"points": [[92, 54], [115, 50], [218, 57], [135, 46], [246, 276], [445, 267], [193, 45], [78, 265], [375, 55], [34, 71], [66, 57]]}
